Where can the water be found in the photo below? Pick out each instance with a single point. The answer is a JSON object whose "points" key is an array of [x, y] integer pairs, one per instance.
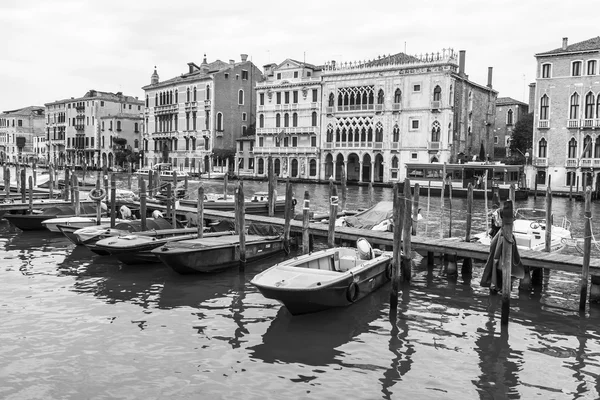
{"points": [[75, 325]]}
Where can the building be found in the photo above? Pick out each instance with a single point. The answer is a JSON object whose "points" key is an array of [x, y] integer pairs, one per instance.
{"points": [[289, 109], [75, 133], [40, 148], [380, 114], [194, 120], [508, 112], [18, 132], [244, 157], [567, 116], [120, 136]]}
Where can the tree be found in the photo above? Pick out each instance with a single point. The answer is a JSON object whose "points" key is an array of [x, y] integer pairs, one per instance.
{"points": [[522, 138]]}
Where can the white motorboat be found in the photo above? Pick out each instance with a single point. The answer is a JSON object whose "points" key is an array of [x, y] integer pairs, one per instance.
{"points": [[75, 222]]}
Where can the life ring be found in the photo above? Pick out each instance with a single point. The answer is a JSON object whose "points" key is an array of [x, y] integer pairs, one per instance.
{"points": [[352, 292], [294, 202], [389, 271], [97, 194]]}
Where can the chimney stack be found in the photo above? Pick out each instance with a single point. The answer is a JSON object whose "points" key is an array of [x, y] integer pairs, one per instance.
{"points": [[231, 62], [565, 43], [244, 57], [489, 84], [531, 96], [461, 62]]}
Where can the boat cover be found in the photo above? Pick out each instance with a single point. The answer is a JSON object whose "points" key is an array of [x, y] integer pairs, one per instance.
{"points": [[373, 216], [136, 225]]}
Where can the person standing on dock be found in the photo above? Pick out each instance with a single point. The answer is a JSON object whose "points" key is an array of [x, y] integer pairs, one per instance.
{"points": [[496, 220]]}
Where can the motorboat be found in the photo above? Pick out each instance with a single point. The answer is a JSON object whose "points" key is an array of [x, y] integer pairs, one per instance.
{"points": [[165, 171], [377, 217], [33, 221], [76, 222], [529, 230], [134, 248], [335, 277], [211, 254], [258, 203]]}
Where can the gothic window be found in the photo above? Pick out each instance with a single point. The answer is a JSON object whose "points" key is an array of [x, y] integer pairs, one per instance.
{"points": [[437, 93], [261, 121], [277, 120], [396, 133], [331, 99], [394, 162], [207, 92], [156, 99], [337, 135], [187, 96], [379, 132], [295, 119], [176, 96], [147, 101], [509, 117], [219, 122], [589, 105], [195, 93], [329, 133], [544, 106], [597, 148], [542, 148], [241, 97], [344, 137], [587, 146], [572, 148], [397, 96], [314, 118], [286, 120], [370, 134], [574, 109], [380, 96], [435, 131]]}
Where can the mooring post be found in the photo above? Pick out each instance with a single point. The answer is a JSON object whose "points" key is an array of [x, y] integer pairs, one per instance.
{"points": [[23, 185], [34, 173], [511, 193], [442, 201], [143, 212], [185, 183], [506, 262], [398, 203], [587, 249], [305, 223], [406, 236], [17, 177], [549, 219], [271, 187], [430, 255], [535, 183], [371, 195], [67, 183], [344, 184], [415, 209], [76, 197], [168, 200], [467, 265], [98, 202], [74, 183], [175, 189], [7, 182], [113, 199], [30, 195], [150, 183], [240, 222], [50, 181], [570, 175], [200, 212], [174, 202], [333, 205], [105, 174], [129, 172], [450, 207], [288, 213], [485, 201]]}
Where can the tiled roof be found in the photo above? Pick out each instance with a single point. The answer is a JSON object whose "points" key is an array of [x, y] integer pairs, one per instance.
{"points": [[24, 111], [586, 45], [502, 101], [215, 66], [399, 58]]}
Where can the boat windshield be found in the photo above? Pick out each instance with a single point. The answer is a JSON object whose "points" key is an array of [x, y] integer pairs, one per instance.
{"points": [[530, 213]]}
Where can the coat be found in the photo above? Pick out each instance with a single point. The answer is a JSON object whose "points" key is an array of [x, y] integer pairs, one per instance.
{"points": [[492, 273]]}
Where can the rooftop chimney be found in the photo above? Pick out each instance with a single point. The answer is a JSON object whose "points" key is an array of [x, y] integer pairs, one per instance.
{"points": [[231, 62], [244, 57], [489, 84], [461, 62], [565, 43]]}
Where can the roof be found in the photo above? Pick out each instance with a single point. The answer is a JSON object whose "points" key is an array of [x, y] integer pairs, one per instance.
{"points": [[398, 58], [504, 101], [300, 64], [24, 111], [586, 45], [122, 116], [98, 95]]}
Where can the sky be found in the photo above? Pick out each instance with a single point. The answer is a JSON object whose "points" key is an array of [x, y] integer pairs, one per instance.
{"points": [[53, 50]]}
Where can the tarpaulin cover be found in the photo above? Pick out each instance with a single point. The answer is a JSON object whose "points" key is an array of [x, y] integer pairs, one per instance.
{"points": [[369, 218]]}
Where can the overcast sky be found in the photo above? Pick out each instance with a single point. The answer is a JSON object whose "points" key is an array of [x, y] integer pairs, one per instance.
{"points": [[51, 50]]}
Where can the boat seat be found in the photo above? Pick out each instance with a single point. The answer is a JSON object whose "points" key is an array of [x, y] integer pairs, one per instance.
{"points": [[347, 263]]}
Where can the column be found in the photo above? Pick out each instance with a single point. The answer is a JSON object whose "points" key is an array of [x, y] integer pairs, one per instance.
{"points": [[360, 171], [372, 171]]}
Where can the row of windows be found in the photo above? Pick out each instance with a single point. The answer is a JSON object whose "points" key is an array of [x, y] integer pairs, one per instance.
{"points": [[591, 106], [286, 120], [5, 122], [285, 141], [576, 68], [358, 96], [589, 148], [172, 97], [295, 94]]}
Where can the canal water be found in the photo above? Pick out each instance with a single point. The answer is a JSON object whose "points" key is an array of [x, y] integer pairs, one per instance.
{"points": [[75, 325]]}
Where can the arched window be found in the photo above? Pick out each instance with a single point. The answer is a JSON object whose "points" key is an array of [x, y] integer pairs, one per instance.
{"points": [[437, 93], [397, 96], [589, 105], [370, 134], [379, 132], [509, 117], [147, 101], [394, 162], [156, 99], [450, 97], [470, 101], [331, 99], [435, 131], [312, 167], [187, 96], [135, 128], [295, 119], [176, 96], [380, 96], [314, 118], [396, 134], [261, 121], [195, 97], [544, 107], [286, 120], [145, 145], [587, 147], [241, 97], [329, 133], [136, 143], [277, 120], [572, 148], [219, 122], [574, 108], [542, 148], [207, 92], [261, 166], [118, 125], [597, 148]]}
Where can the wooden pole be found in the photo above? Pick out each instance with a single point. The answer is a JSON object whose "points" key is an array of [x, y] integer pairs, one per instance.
{"points": [[587, 249], [511, 192], [129, 172], [225, 184], [442, 201], [371, 195], [98, 205], [449, 207], [535, 183], [143, 212], [30, 195], [185, 183], [344, 192], [467, 266], [51, 181], [289, 197], [415, 217], [240, 222], [7, 181], [485, 201], [113, 200], [106, 180], [549, 219], [200, 210], [406, 237], [23, 185], [150, 183], [398, 202], [17, 177], [168, 208], [572, 175], [333, 205], [76, 197], [34, 173], [305, 223], [270, 188], [506, 261], [67, 183]]}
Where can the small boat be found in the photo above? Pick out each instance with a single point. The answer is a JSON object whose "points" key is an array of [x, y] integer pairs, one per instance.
{"points": [[164, 170], [92, 234], [75, 222], [33, 221], [258, 203], [212, 254], [325, 279], [529, 230], [134, 249]]}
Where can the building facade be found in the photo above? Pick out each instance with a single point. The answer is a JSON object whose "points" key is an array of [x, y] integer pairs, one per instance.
{"points": [[194, 120], [288, 126], [508, 112], [74, 129], [379, 115], [120, 138], [19, 130], [567, 116], [244, 156]]}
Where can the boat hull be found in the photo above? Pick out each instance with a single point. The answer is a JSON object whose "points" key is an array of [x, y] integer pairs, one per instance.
{"points": [[258, 207], [213, 259], [28, 222]]}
